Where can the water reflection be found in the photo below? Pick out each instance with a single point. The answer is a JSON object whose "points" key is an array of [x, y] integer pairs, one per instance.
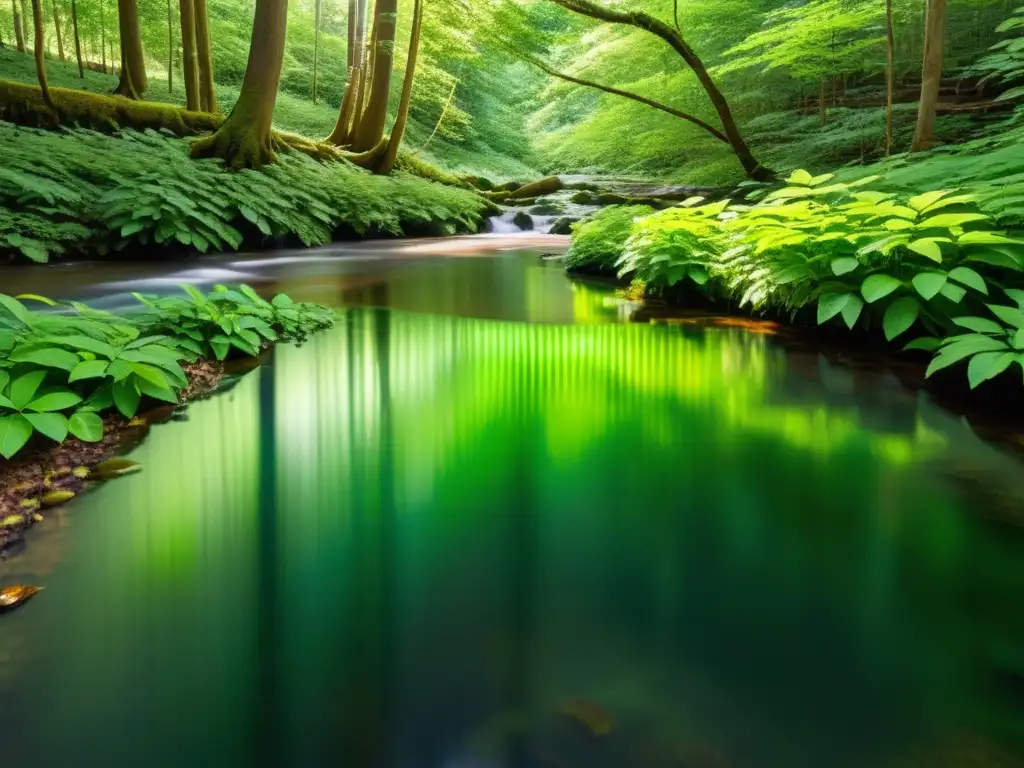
{"points": [[407, 542]]}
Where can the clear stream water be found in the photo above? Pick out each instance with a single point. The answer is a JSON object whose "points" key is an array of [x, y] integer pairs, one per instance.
{"points": [[484, 494]]}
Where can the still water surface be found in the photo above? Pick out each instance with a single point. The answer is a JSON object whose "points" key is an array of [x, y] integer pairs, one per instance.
{"points": [[409, 542]]}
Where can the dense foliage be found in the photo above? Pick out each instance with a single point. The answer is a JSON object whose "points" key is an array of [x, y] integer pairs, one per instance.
{"points": [[60, 371]]}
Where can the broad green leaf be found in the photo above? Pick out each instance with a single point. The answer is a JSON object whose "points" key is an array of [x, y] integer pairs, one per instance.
{"points": [[851, 312], [220, 345], [988, 365], [79, 342], [126, 397], [5, 379], [699, 276], [16, 308], [132, 227], [948, 201], [899, 316], [6, 340], [926, 343], [947, 220], [970, 278], [88, 369], [151, 374], [40, 354], [53, 425], [877, 287], [54, 401], [844, 265], [248, 213], [831, 304], [1015, 295], [793, 273], [86, 426], [979, 324], [954, 353], [986, 238], [897, 225], [801, 177], [928, 284], [36, 297], [953, 292], [151, 389], [24, 388], [820, 179], [1017, 342], [920, 202], [14, 433], [927, 247], [1009, 315]]}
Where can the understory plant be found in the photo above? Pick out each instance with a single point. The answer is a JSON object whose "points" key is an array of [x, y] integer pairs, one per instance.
{"points": [[61, 369], [874, 259]]}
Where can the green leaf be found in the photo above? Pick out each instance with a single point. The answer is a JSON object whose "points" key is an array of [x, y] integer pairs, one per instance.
{"points": [[831, 304], [970, 278], [926, 343], [249, 213], [928, 284], [852, 311], [88, 369], [132, 227], [927, 247], [959, 350], [844, 265], [151, 389], [126, 397], [921, 202], [24, 388], [6, 340], [947, 220], [53, 425], [36, 297], [988, 365], [979, 324], [86, 425], [953, 292], [41, 354], [14, 433], [897, 225], [801, 177], [86, 343], [876, 287], [57, 400], [1009, 315], [1015, 295], [16, 308], [899, 316], [5, 379], [793, 273], [986, 238], [220, 345], [1017, 342], [151, 374]]}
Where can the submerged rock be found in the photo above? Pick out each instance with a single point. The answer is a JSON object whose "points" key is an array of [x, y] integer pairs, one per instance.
{"points": [[545, 209], [585, 197], [523, 220], [563, 225]]}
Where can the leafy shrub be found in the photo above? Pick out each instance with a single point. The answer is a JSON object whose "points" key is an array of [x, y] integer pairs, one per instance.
{"points": [[60, 370], [597, 241], [1006, 62], [860, 256]]}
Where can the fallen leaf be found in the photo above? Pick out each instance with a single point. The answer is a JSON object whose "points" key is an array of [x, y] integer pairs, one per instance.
{"points": [[12, 520], [53, 498], [115, 468], [12, 597], [598, 719]]}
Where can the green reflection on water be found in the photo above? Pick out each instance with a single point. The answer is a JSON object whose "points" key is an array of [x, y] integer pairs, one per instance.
{"points": [[411, 538]]}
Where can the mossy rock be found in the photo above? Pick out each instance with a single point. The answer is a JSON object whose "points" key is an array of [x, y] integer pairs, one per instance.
{"points": [[521, 203], [508, 186], [585, 197], [585, 186], [610, 198], [563, 226], [658, 203], [523, 220], [545, 209], [478, 182], [539, 188]]}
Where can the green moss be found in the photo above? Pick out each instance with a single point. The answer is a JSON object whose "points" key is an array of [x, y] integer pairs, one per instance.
{"points": [[598, 241]]}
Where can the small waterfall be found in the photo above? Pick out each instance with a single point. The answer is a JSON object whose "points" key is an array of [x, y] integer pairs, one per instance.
{"points": [[502, 225]]}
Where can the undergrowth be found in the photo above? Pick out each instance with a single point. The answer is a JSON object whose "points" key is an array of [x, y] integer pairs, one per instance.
{"points": [[82, 191]]}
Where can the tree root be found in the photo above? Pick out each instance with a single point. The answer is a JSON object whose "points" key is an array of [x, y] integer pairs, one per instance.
{"points": [[238, 145]]}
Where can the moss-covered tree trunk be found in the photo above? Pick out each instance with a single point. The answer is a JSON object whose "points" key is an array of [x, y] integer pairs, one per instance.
{"points": [[60, 33], [78, 40], [347, 113], [245, 140], [133, 61], [370, 130], [931, 74], [204, 53], [19, 27], [402, 119], [190, 62], [39, 47]]}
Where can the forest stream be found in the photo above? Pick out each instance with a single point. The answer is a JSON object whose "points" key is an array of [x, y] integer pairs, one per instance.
{"points": [[487, 521]]}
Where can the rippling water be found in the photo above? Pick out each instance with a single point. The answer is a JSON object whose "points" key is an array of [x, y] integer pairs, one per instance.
{"points": [[482, 495]]}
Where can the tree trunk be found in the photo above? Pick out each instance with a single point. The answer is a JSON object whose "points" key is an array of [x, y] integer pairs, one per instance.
{"points": [[19, 27], [890, 76], [204, 53], [133, 61], [26, 20], [402, 118], [316, 41], [60, 34], [78, 40], [342, 128], [821, 102], [39, 50], [245, 140], [170, 47], [931, 74], [190, 63], [103, 37], [648, 23], [370, 130]]}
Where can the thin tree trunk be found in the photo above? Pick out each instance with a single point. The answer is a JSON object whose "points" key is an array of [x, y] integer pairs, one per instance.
{"points": [[890, 76], [39, 50], [133, 61], [103, 36], [370, 131], [648, 23], [821, 101], [190, 63], [316, 41], [78, 40], [350, 49], [170, 47], [370, 58], [19, 27], [440, 119], [931, 74], [204, 53], [245, 140], [60, 34], [342, 128], [402, 118], [26, 20]]}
